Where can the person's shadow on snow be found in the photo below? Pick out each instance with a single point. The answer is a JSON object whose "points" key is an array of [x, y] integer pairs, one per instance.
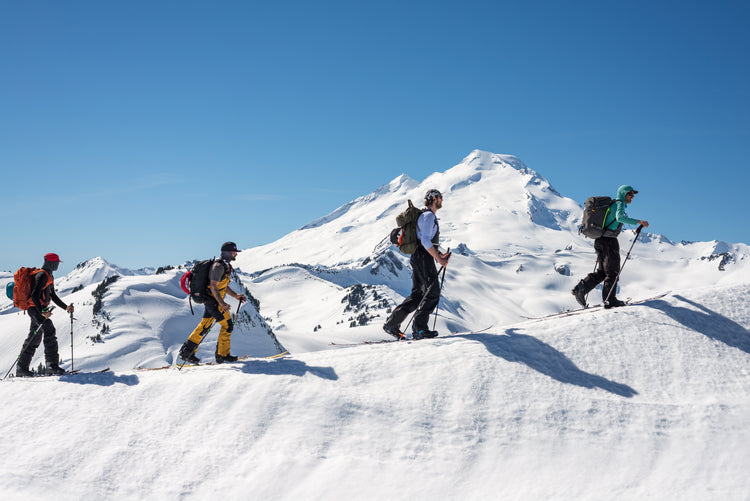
{"points": [[100, 378], [287, 366], [543, 358], [708, 322]]}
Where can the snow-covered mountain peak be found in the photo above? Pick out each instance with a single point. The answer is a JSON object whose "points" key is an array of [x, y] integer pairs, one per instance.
{"points": [[485, 160], [92, 271], [484, 193], [401, 183], [483, 164], [399, 186]]}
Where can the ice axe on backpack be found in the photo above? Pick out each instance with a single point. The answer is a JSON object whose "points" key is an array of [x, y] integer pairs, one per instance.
{"points": [[617, 278]]}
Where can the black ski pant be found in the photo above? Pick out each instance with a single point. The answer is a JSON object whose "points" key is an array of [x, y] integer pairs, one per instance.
{"points": [[425, 286], [36, 334], [608, 266]]}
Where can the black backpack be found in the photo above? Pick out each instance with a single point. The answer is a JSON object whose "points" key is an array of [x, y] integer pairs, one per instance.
{"points": [[199, 281], [595, 212], [195, 282]]}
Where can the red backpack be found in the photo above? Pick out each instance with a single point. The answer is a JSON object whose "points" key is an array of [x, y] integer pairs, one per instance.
{"points": [[23, 280]]}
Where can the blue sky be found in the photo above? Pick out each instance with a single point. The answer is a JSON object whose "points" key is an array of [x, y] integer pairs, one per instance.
{"points": [[149, 133]]}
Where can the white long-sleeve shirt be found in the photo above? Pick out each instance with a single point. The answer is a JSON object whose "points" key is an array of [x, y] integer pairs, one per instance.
{"points": [[427, 227]]}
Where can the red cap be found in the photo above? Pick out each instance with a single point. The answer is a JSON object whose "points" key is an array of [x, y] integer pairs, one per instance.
{"points": [[52, 257]]}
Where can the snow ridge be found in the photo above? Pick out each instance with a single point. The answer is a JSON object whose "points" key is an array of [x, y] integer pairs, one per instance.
{"points": [[515, 412]]}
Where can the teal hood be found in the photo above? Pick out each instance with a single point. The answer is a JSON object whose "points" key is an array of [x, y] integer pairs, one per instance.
{"points": [[624, 190], [616, 216]]}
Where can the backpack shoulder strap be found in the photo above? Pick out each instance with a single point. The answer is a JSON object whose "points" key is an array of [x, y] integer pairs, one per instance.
{"points": [[227, 267], [50, 280], [605, 226]]}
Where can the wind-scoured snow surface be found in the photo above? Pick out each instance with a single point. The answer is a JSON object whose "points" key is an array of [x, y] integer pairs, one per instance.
{"points": [[646, 401]]}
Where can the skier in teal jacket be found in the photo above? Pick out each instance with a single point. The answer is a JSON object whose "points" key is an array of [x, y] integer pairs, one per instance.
{"points": [[608, 252]]}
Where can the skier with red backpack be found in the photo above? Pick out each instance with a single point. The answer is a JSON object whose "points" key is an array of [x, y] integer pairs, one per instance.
{"points": [[33, 291]]}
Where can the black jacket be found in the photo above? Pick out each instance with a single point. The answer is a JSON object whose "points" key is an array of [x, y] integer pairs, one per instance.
{"points": [[41, 293]]}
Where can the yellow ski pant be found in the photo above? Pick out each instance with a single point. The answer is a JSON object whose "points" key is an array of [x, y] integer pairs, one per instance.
{"points": [[223, 345]]}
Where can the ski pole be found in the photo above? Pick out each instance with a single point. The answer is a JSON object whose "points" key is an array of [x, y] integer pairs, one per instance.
{"points": [[429, 287], [203, 336], [614, 286], [26, 345], [437, 308], [71, 342]]}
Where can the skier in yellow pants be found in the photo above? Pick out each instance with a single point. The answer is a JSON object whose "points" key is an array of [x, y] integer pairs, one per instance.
{"points": [[217, 310]]}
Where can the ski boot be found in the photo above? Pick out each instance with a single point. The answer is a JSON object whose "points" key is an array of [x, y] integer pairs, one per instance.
{"points": [[23, 372], [55, 370], [424, 334], [220, 359], [187, 353], [580, 294], [613, 303], [394, 331]]}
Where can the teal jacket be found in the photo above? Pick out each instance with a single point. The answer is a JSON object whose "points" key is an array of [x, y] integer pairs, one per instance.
{"points": [[616, 216]]}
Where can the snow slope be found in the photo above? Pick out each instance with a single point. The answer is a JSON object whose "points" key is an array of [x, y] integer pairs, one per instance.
{"points": [[649, 401]]}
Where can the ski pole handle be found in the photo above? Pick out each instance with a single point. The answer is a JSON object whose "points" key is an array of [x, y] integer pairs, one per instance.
{"points": [[234, 319]]}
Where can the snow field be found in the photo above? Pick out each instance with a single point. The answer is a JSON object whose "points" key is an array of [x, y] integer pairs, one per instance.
{"points": [[624, 404]]}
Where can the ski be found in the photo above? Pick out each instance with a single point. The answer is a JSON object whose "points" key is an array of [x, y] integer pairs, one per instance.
{"points": [[409, 340], [79, 371], [596, 307], [71, 373], [575, 311], [271, 357]]}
